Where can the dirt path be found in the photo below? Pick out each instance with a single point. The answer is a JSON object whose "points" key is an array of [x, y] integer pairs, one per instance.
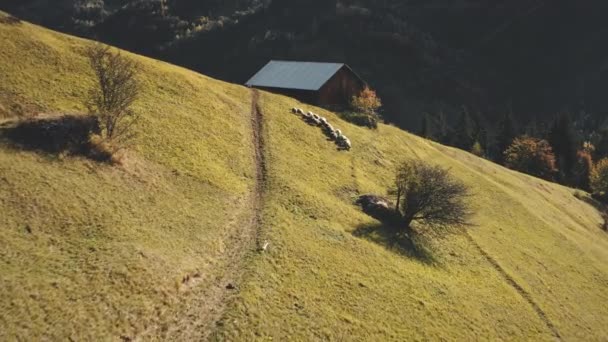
{"points": [[522, 292], [246, 239], [257, 124], [205, 297]]}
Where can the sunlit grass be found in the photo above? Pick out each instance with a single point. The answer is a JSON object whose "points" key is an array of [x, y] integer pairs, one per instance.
{"points": [[320, 281], [90, 251]]}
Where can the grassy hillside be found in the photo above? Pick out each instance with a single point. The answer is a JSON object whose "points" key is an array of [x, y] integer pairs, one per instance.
{"points": [[89, 250], [92, 250], [534, 247]]}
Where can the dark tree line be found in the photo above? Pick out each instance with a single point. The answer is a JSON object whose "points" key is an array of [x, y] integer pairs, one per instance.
{"points": [[564, 148]]}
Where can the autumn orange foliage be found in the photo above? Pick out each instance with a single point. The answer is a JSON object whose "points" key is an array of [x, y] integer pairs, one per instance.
{"points": [[366, 102], [531, 155]]}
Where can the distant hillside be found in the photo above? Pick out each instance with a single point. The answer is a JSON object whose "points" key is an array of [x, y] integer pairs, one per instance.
{"points": [[532, 58], [163, 247]]}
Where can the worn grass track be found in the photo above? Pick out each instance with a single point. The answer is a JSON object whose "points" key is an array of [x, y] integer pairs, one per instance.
{"points": [[524, 294], [209, 304]]}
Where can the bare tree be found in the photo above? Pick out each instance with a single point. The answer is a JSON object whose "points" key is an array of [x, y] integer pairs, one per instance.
{"points": [[399, 186], [115, 92], [430, 195]]}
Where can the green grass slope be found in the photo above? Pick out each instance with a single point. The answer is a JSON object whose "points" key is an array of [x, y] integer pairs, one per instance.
{"points": [[91, 251], [533, 267]]}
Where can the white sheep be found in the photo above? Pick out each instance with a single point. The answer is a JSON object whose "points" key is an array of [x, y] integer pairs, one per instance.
{"points": [[300, 111], [344, 142], [338, 132]]}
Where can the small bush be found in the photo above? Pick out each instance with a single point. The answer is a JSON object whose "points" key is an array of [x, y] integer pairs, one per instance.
{"points": [[477, 149], [599, 180], [365, 106], [377, 207], [532, 156], [9, 20], [112, 97], [430, 195], [361, 119], [101, 149], [581, 174]]}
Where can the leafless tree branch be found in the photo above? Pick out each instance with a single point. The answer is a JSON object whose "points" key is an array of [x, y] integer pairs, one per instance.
{"points": [[116, 90]]}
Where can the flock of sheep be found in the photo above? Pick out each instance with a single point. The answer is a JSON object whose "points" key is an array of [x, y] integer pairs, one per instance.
{"points": [[334, 134]]}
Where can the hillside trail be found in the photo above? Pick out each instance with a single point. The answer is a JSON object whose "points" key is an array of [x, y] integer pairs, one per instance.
{"points": [[520, 290], [206, 297]]}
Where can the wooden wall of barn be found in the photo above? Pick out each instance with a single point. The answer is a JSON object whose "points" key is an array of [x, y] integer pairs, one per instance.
{"points": [[340, 89]]}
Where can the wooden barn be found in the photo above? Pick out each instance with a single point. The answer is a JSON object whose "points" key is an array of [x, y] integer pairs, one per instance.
{"points": [[324, 84]]}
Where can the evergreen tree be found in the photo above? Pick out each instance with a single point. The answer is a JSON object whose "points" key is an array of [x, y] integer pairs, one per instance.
{"points": [[443, 129], [477, 149], [426, 129], [480, 133], [534, 128], [506, 135], [463, 134], [563, 142], [601, 147], [582, 170]]}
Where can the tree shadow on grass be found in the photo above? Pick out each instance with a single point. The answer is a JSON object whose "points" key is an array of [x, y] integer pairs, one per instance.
{"points": [[389, 231], [389, 235], [65, 134]]}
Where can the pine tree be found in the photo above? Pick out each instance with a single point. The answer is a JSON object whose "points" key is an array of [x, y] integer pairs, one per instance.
{"points": [[480, 133], [533, 129], [443, 128], [601, 147], [425, 129], [505, 137], [477, 149], [463, 135], [582, 170], [562, 140]]}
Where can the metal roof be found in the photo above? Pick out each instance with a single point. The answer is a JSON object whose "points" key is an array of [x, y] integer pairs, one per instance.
{"points": [[294, 75]]}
